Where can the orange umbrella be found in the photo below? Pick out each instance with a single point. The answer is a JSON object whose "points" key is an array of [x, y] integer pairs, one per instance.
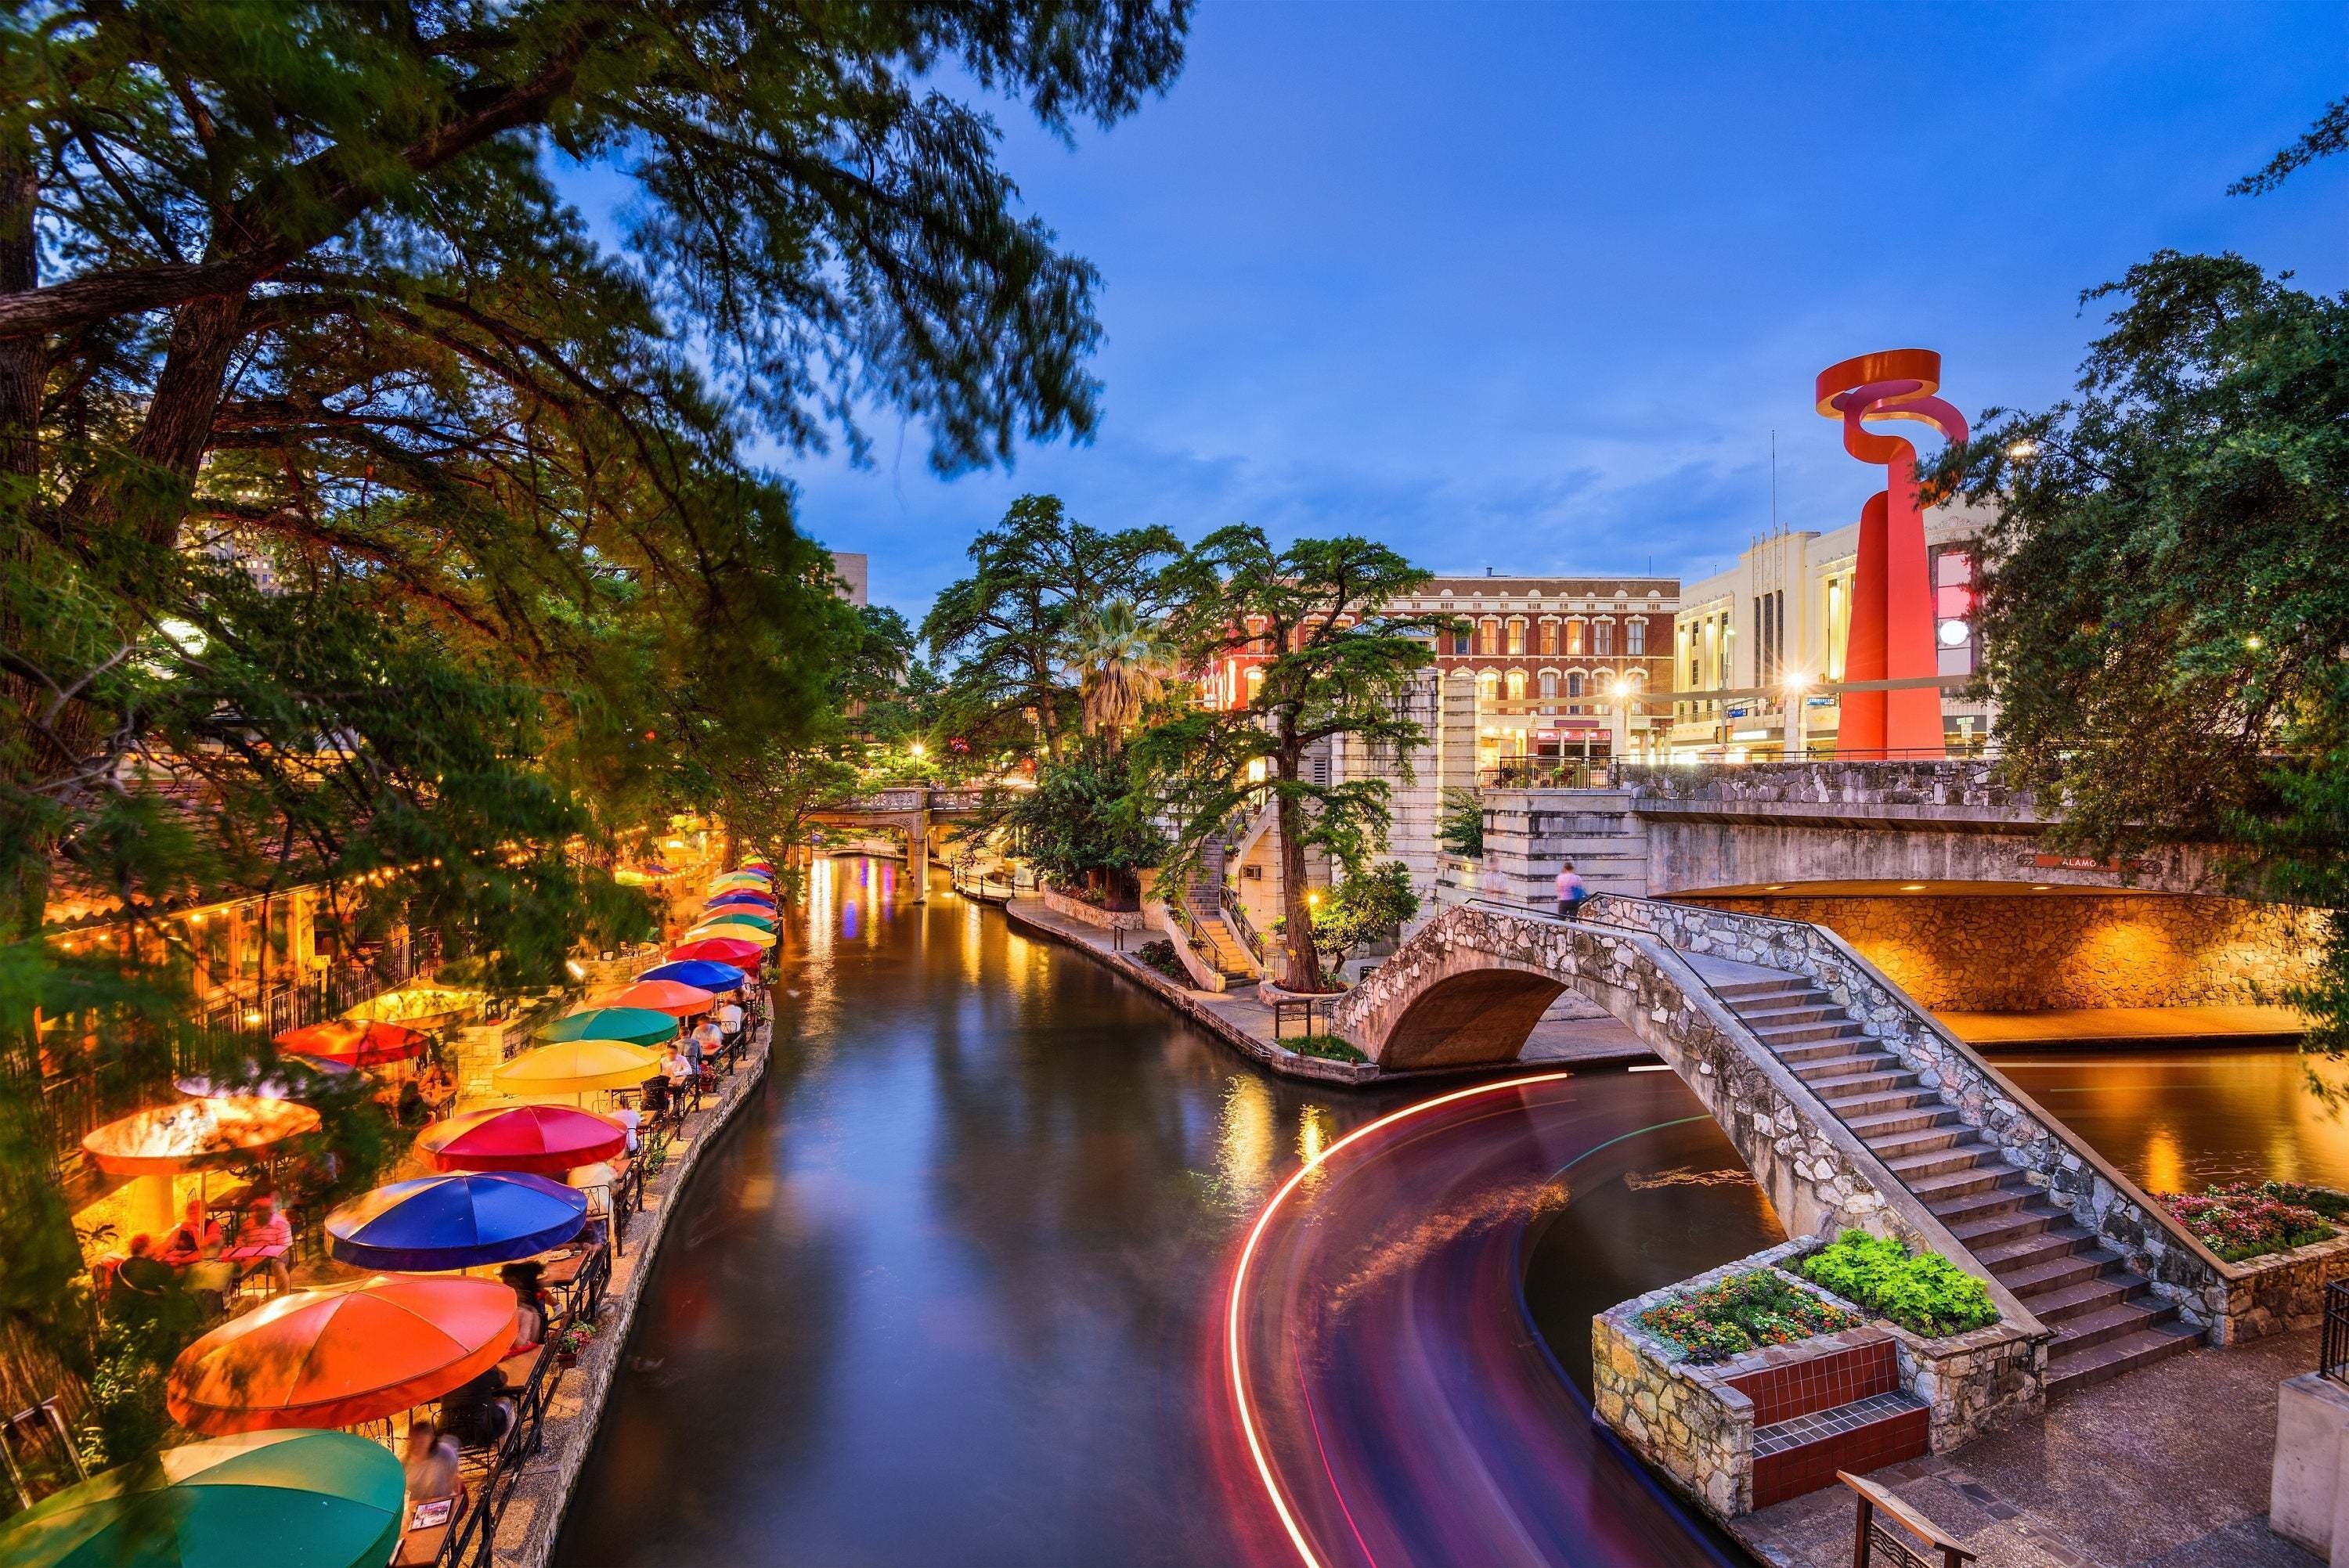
{"points": [[353, 1043], [346, 1354], [195, 1133], [671, 996]]}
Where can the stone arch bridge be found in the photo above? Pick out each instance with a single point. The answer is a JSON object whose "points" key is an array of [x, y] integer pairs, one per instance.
{"points": [[1851, 1105]]}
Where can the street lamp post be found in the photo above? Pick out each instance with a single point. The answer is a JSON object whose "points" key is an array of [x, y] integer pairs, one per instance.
{"points": [[1798, 686]]}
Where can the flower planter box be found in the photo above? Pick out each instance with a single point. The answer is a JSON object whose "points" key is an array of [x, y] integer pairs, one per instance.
{"points": [[1093, 915]]}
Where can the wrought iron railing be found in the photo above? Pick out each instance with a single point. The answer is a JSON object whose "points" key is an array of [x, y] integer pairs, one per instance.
{"points": [[2332, 1355], [1236, 917], [1307, 1011]]}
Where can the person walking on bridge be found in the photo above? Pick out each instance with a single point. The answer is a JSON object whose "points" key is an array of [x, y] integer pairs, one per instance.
{"points": [[1570, 892]]}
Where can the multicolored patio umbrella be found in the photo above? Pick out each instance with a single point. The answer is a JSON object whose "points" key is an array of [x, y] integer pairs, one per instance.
{"points": [[731, 933], [195, 1134], [345, 1353], [716, 950], [669, 996], [433, 1223], [354, 1044], [740, 879], [543, 1140], [262, 1500], [708, 974], [577, 1067], [636, 1026], [749, 901], [732, 917]]}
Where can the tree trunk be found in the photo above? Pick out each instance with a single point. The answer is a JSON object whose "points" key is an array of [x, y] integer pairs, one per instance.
{"points": [[152, 491], [1302, 970]]}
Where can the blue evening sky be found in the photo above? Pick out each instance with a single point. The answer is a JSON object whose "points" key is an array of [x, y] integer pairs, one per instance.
{"points": [[1530, 286]]}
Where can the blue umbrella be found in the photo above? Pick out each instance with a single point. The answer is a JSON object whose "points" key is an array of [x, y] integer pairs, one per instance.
{"points": [[456, 1222], [723, 899], [707, 974]]}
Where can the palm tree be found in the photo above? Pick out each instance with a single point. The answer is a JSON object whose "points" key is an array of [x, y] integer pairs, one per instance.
{"points": [[1121, 662]]}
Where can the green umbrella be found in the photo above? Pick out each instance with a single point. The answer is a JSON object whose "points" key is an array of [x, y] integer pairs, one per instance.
{"points": [[636, 1026], [735, 917], [285, 1499]]}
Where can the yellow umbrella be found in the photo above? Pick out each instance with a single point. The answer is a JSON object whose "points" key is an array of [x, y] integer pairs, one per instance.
{"points": [[577, 1067]]}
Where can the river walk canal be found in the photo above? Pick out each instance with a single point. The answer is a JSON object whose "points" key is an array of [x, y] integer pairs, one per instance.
{"points": [[954, 1288]]}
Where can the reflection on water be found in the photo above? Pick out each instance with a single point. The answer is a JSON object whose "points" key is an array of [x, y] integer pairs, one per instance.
{"points": [[1660, 1207], [2176, 1120], [948, 1292]]}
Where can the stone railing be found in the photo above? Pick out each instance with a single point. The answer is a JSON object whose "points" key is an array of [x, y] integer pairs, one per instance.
{"points": [[1971, 787], [2108, 1204]]}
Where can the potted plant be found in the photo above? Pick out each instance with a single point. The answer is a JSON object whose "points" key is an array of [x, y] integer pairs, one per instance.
{"points": [[571, 1341]]}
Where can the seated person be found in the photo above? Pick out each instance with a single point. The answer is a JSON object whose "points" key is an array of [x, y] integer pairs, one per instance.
{"points": [[142, 1273], [530, 1304], [688, 1044], [675, 1071], [629, 1120], [730, 1018], [265, 1227], [195, 1238], [430, 1461], [707, 1040], [481, 1413]]}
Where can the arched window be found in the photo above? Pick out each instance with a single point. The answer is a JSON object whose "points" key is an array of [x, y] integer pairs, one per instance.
{"points": [[1516, 685], [1488, 685], [1574, 639], [1488, 636], [1517, 637], [1548, 684], [1549, 636], [1574, 683]]}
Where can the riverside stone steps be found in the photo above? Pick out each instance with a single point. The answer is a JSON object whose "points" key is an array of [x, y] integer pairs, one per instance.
{"points": [[2106, 1318]]}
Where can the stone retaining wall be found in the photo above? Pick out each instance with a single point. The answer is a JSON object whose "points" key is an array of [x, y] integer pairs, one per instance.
{"points": [[1093, 914], [2072, 1173], [2278, 1294], [2028, 954], [533, 1515]]}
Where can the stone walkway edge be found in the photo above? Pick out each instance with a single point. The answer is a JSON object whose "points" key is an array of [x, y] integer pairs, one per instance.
{"points": [[533, 1515], [1245, 1025]]}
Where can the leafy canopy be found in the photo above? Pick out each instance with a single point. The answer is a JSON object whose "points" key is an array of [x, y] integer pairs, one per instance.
{"points": [[2166, 613]]}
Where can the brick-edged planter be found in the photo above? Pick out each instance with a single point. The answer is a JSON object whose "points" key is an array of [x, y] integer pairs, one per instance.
{"points": [[1694, 1423]]}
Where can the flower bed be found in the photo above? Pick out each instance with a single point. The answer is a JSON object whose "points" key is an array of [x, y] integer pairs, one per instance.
{"points": [[2240, 1220], [1722, 1320], [1160, 955], [1924, 1293]]}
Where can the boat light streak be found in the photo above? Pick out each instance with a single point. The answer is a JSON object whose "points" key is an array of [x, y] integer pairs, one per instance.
{"points": [[1248, 1255]]}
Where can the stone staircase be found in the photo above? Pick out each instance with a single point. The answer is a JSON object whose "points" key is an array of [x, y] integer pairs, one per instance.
{"points": [[2106, 1318]]}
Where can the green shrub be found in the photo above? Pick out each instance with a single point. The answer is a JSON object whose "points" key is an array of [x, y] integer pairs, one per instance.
{"points": [[1328, 1047], [2330, 1202], [1160, 955], [1762, 1307], [1922, 1292]]}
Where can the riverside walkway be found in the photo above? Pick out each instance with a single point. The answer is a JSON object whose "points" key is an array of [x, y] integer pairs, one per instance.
{"points": [[1247, 1023]]}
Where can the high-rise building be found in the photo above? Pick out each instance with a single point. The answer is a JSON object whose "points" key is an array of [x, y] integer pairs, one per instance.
{"points": [[851, 568]]}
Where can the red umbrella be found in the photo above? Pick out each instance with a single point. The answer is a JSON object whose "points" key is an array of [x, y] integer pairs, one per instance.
{"points": [[675, 998], [719, 949], [342, 1353], [354, 1044], [543, 1140]]}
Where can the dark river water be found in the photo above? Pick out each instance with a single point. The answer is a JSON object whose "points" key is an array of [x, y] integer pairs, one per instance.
{"points": [[950, 1289]]}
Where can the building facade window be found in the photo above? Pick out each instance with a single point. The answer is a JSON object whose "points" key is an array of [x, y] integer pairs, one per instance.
{"points": [[1488, 636], [1516, 685], [1517, 639], [1635, 637], [1488, 685], [1602, 639], [1574, 639], [1549, 637], [1548, 684]]}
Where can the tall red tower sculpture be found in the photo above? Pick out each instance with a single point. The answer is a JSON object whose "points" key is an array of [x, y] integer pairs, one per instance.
{"points": [[1891, 635]]}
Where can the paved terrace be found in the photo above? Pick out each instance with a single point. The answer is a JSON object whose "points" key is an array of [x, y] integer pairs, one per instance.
{"points": [[2165, 1469]]}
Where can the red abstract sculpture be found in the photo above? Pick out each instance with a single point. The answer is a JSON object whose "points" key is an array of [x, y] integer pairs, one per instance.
{"points": [[1891, 636]]}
